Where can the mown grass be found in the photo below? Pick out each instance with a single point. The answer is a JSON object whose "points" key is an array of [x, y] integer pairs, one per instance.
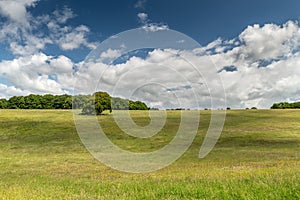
{"points": [[257, 157]]}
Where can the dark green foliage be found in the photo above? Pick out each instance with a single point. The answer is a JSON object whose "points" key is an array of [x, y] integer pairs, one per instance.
{"points": [[254, 108], [34, 101], [286, 105], [89, 107], [103, 102], [3, 104], [13, 103], [62, 102], [80, 100], [99, 102], [47, 101], [125, 104], [137, 105], [120, 104]]}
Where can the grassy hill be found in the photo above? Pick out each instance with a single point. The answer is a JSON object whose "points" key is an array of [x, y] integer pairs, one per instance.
{"points": [[257, 157]]}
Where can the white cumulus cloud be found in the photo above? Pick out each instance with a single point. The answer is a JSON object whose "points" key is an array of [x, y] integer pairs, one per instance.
{"points": [[31, 73], [143, 17], [16, 10], [27, 34], [257, 68]]}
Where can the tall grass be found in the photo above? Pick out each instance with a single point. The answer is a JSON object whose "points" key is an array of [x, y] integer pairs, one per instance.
{"points": [[257, 157]]}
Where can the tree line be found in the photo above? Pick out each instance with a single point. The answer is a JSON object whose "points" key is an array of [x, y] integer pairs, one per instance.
{"points": [[34, 101], [98, 102], [286, 105]]}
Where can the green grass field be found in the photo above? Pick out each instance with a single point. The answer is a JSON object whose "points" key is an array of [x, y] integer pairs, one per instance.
{"points": [[257, 157]]}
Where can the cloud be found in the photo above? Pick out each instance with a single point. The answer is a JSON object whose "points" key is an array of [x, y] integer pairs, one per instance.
{"points": [[31, 45], [266, 60], [258, 68], [67, 37], [62, 16], [17, 28], [140, 4], [111, 54], [16, 10], [28, 34], [9, 91], [148, 25], [155, 27], [74, 39], [61, 65], [143, 17], [32, 73], [162, 76], [270, 41]]}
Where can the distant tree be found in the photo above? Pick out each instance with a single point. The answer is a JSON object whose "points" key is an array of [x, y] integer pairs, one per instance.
{"points": [[79, 101], [33, 101], [99, 102], [120, 104], [125, 104], [62, 102], [3, 104], [296, 105], [286, 105], [13, 102], [137, 105], [254, 108], [275, 106], [228, 108], [89, 107], [67, 102], [46, 102], [21, 102], [102, 102]]}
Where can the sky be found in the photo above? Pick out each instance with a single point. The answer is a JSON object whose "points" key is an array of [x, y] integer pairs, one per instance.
{"points": [[207, 53]]}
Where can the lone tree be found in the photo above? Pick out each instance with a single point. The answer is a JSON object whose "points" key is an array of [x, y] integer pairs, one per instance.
{"points": [[99, 102]]}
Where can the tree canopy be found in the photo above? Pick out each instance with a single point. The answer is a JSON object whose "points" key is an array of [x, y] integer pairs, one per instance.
{"points": [[34, 101], [99, 102], [90, 104], [125, 104], [286, 105]]}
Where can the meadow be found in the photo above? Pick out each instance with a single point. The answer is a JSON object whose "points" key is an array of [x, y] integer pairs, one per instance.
{"points": [[256, 157]]}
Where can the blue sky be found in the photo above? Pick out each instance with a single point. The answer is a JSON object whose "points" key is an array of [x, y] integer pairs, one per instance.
{"points": [[50, 37], [203, 20]]}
